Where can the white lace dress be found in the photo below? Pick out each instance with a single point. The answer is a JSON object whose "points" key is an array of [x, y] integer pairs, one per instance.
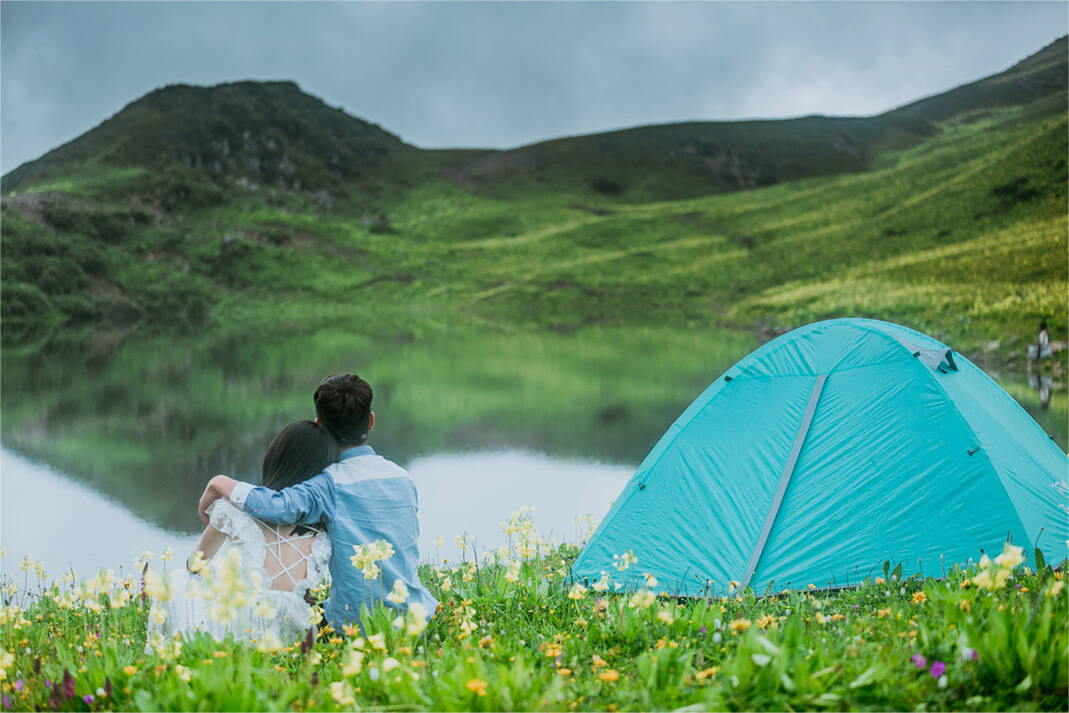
{"points": [[252, 588]]}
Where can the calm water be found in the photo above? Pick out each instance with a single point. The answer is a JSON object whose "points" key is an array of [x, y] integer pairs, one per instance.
{"points": [[109, 439]]}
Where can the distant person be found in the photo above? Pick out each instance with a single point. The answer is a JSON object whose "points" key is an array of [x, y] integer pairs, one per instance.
{"points": [[288, 560], [360, 499], [1040, 348]]}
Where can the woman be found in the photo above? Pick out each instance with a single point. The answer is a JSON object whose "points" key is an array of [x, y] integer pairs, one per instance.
{"points": [[251, 578]]}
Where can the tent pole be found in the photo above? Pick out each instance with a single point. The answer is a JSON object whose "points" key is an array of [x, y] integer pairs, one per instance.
{"points": [[785, 477]]}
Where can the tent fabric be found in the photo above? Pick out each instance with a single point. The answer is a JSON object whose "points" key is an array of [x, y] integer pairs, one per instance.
{"points": [[908, 453]]}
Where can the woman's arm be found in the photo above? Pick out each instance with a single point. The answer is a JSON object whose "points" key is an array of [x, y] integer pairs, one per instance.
{"points": [[209, 544]]}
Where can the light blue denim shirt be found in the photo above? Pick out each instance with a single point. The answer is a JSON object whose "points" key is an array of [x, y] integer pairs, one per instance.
{"points": [[361, 498]]}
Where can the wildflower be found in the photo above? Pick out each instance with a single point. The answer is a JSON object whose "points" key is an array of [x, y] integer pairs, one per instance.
{"points": [[609, 675], [602, 584], [447, 584], [578, 592], [167, 555], [598, 661], [390, 663], [642, 599], [197, 562], [219, 654], [183, 673], [265, 610], [415, 619], [88, 698], [965, 605], [159, 615], [156, 586], [340, 695], [942, 682], [733, 585], [564, 671], [622, 562], [740, 625], [883, 612], [477, 686], [706, 673], [486, 642], [879, 580], [651, 581], [438, 541], [399, 594], [7, 660], [919, 661], [811, 585], [1011, 556], [512, 573], [68, 685], [377, 641], [353, 666], [717, 637], [1054, 589], [938, 669], [665, 616], [129, 670], [919, 597]]}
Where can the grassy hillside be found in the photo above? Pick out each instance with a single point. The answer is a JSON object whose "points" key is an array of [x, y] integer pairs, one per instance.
{"points": [[263, 206]]}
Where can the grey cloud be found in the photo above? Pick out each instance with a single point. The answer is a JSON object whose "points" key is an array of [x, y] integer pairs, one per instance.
{"points": [[504, 74]]}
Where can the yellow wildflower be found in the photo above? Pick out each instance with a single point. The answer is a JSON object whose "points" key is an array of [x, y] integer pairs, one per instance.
{"points": [[740, 625], [598, 661], [609, 675], [919, 597], [578, 592], [129, 670], [477, 686], [711, 671]]}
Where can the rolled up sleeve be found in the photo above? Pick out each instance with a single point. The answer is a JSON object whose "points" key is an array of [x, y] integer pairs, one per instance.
{"points": [[309, 502], [240, 492]]}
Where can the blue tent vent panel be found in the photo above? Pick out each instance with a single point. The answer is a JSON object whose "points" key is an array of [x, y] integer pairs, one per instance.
{"points": [[827, 451]]}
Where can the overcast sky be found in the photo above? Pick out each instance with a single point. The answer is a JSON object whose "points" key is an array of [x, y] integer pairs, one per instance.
{"points": [[505, 74]]}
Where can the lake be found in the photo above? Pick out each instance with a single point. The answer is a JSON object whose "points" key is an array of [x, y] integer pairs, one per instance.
{"points": [[108, 438]]}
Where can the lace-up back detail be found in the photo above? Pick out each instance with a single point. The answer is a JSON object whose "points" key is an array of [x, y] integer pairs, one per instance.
{"points": [[289, 562], [286, 563]]}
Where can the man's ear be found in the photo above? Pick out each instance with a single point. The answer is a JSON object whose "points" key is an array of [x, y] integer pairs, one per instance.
{"points": [[317, 421], [370, 421]]}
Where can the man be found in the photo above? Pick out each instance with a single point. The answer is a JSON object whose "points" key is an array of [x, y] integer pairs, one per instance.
{"points": [[361, 498]]}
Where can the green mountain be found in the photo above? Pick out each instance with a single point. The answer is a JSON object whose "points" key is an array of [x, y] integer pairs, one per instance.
{"points": [[252, 204]]}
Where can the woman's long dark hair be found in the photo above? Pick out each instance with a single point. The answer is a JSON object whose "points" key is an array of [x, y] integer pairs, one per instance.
{"points": [[299, 451]]}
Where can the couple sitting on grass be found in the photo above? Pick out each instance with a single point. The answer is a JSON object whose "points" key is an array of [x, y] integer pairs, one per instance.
{"points": [[324, 492]]}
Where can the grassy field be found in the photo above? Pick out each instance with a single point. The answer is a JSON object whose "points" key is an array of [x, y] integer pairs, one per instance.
{"points": [[516, 633]]}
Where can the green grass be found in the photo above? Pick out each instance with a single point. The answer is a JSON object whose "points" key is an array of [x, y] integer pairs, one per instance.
{"points": [[518, 634]]}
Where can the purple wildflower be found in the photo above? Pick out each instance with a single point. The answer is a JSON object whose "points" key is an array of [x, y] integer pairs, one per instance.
{"points": [[702, 630], [48, 683], [88, 699], [68, 685], [938, 669], [7, 702], [919, 661], [974, 655], [18, 685]]}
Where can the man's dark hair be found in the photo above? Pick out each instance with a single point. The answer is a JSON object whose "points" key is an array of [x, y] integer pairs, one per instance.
{"points": [[343, 405]]}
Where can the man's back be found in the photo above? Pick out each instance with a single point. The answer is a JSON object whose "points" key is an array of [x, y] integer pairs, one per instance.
{"points": [[375, 499]]}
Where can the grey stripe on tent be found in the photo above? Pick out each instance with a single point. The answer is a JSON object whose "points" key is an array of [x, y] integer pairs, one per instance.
{"points": [[785, 478]]}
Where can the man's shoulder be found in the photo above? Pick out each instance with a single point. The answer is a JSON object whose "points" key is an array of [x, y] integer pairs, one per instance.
{"points": [[365, 467]]}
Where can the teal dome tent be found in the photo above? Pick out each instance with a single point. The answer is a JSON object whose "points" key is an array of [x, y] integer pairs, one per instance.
{"points": [[827, 451]]}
